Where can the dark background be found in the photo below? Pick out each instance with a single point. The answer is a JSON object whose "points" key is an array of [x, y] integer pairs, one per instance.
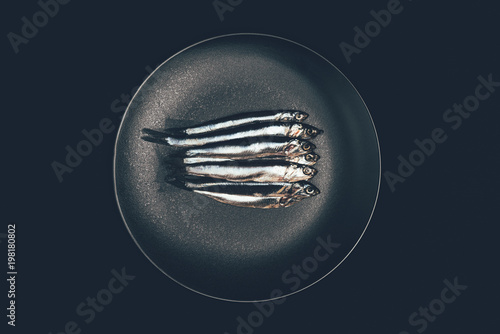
{"points": [[439, 224]]}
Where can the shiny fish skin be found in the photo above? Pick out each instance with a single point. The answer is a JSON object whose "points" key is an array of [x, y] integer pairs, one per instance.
{"points": [[272, 172], [260, 159], [308, 159], [290, 130], [241, 119], [270, 189], [251, 201], [250, 148]]}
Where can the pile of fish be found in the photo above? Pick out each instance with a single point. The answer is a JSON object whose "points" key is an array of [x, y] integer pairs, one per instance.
{"points": [[258, 159]]}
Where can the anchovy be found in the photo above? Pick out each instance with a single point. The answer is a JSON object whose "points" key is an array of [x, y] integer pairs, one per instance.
{"points": [[308, 159], [291, 130], [250, 148], [270, 189], [244, 171], [241, 119], [246, 201]]}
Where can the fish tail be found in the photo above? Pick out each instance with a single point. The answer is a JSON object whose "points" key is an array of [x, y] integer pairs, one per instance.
{"points": [[153, 136], [175, 132]]}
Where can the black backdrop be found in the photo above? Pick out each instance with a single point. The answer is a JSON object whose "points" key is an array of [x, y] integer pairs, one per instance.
{"points": [[438, 225]]}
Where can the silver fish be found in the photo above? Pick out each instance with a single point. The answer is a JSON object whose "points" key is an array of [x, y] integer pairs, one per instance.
{"points": [[264, 171], [250, 148], [269, 189], [253, 194], [308, 159], [269, 202], [290, 130], [241, 119]]}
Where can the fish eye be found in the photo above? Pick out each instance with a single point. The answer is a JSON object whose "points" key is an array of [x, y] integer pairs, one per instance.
{"points": [[310, 157], [307, 170], [299, 116], [306, 147], [310, 190], [310, 131]]}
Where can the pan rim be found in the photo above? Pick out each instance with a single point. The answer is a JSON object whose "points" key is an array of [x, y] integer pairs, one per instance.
{"points": [[374, 203]]}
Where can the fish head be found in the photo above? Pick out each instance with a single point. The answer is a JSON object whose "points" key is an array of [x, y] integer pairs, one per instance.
{"points": [[311, 157], [308, 159], [309, 132], [295, 172], [305, 189], [299, 116], [307, 147], [293, 116], [311, 190], [308, 171], [295, 147]]}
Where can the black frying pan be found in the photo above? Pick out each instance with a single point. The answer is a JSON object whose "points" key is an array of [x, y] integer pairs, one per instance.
{"points": [[235, 253]]}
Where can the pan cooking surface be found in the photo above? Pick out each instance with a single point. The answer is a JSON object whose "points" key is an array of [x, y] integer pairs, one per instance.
{"points": [[236, 253]]}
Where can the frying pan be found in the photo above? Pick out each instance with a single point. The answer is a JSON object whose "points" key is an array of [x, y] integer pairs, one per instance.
{"points": [[245, 254]]}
